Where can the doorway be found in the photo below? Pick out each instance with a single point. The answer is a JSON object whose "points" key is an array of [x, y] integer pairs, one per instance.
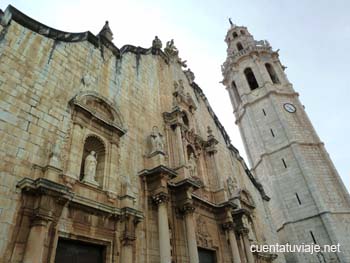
{"points": [[72, 251], [206, 255]]}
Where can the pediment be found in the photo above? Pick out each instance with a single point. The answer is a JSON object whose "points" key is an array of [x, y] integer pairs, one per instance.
{"points": [[97, 107]]}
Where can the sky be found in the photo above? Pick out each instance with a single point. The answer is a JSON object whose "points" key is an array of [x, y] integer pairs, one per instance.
{"points": [[313, 38]]}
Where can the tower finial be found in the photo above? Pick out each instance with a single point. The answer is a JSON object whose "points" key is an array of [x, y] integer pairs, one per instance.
{"points": [[229, 19], [106, 32]]}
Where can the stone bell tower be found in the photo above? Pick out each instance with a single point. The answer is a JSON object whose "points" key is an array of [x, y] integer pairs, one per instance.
{"points": [[309, 203]]}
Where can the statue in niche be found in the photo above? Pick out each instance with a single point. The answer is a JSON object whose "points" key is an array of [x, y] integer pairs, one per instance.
{"points": [[192, 165], [231, 186], [90, 168], [157, 143]]}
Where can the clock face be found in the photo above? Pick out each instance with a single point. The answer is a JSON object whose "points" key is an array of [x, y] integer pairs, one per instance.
{"points": [[289, 107]]}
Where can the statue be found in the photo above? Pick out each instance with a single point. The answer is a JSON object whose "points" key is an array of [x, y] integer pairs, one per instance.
{"points": [[190, 75], [231, 186], [170, 49], [90, 168], [157, 143], [192, 165], [156, 43]]}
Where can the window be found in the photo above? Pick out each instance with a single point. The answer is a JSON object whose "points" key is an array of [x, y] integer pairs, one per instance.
{"points": [[242, 32], [272, 133], [239, 46], [234, 35], [284, 163], [296, 194], [272, 73], [253, 84], [264, 112]]}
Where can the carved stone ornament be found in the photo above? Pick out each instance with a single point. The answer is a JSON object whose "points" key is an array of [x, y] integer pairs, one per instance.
{"points": [[91, 106], [190, 75], [181, 98], [202, 233], [156, 43], [106, 32], [232, 186], [192, 165], [156, 141], [170, 49]]}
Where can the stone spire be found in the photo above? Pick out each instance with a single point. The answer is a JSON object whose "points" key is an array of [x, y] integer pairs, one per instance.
{"points": [[106, 32]]}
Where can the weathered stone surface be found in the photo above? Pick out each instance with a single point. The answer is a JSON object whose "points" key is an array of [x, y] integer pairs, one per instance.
{"points": [[64, 95], [309, 202]]}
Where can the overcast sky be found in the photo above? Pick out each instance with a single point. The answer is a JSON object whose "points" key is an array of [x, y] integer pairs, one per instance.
{"points": [[313, 38]]}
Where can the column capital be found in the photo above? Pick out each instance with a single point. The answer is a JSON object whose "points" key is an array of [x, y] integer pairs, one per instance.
{"points": [[228, 226], [187, 208], [160, 198], [243, 230]]}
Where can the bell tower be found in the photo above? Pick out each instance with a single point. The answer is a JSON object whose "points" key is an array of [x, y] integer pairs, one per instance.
{"points": [[309, 203]]}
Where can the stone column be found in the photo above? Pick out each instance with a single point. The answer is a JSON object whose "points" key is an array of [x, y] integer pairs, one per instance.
{"points": [[188, 210], [36, 242], [112, 177], [233, 241], [246, 243], [128, 237], [179, 145], [163, 228]]}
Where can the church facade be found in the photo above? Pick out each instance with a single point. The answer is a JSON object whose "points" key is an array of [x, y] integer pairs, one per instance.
{"points": [[115, 155]]}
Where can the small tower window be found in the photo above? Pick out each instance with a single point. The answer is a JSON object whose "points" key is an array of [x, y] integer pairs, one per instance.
{"points": [[234, 35], [313, 237], [253, 84], [272, 73], [239, 46], [235, 92], [242, 32], [284, 163]]}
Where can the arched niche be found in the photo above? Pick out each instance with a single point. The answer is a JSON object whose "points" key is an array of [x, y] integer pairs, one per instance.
{"points": [[97, 126], [94, 143]]}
